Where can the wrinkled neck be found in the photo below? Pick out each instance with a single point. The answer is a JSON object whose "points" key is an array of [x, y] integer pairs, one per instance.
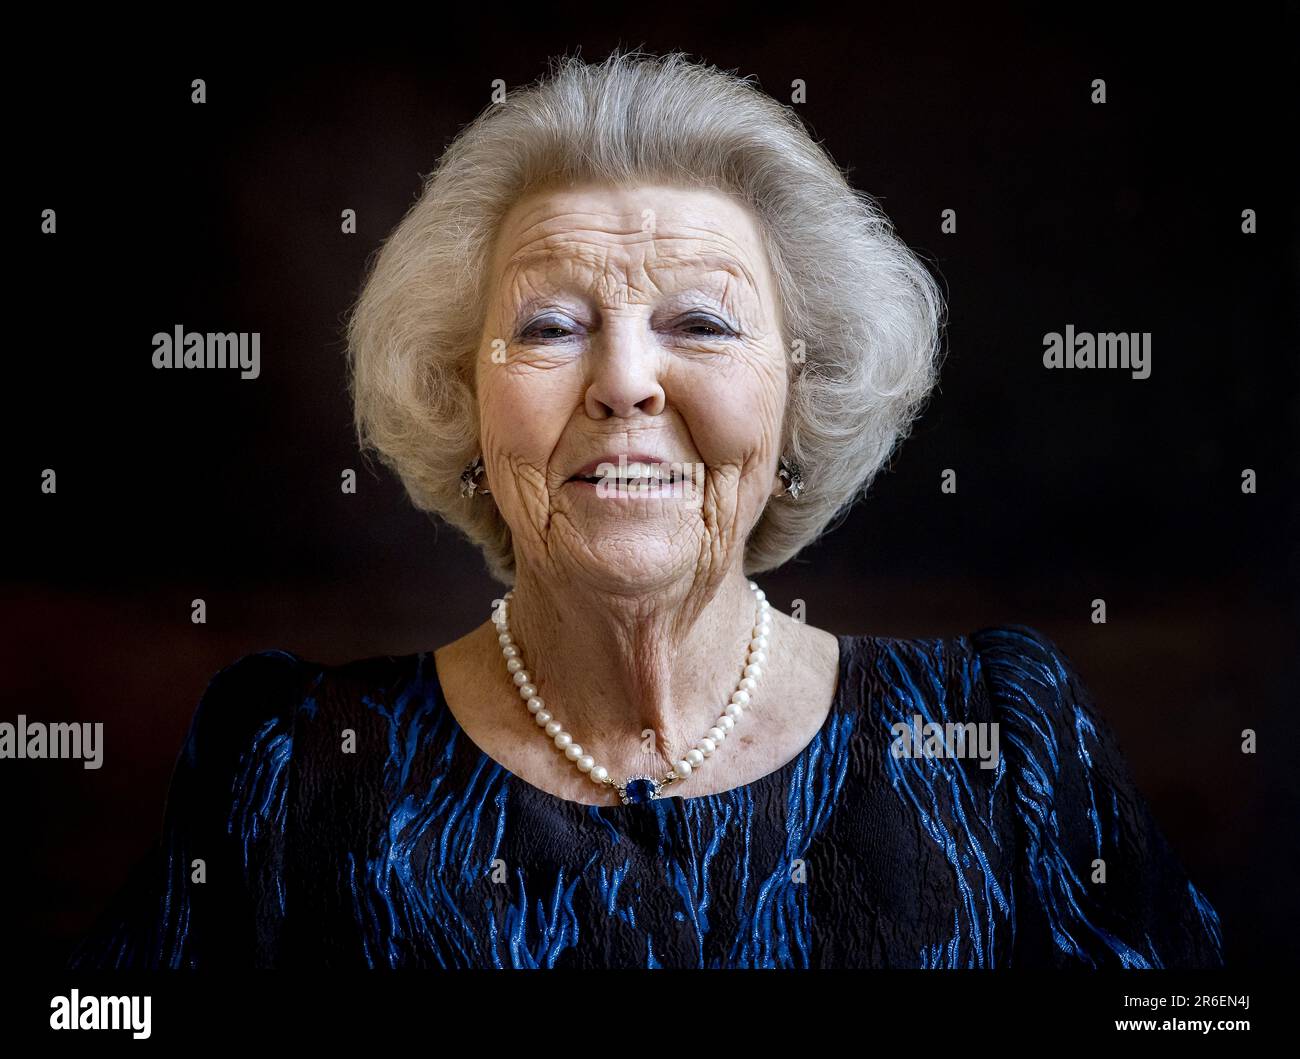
{"points": [[636, 679]]}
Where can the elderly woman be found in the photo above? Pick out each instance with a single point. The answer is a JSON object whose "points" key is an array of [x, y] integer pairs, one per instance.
{"points": [[640, 341]]}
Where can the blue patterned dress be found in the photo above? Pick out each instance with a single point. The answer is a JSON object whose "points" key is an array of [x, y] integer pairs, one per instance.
{"points": [[418, 850]]}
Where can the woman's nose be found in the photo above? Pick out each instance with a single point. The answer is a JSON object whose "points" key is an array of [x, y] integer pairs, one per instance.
{"points": [[624, 373]]}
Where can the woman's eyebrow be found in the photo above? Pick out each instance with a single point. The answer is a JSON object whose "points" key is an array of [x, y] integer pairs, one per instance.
{"points": [[702, 262]]}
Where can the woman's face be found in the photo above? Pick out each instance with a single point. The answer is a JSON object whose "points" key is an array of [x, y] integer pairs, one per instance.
{"points": [[639, 322]]}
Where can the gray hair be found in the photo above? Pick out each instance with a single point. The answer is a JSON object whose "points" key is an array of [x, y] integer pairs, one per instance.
{"points": [[863, 309]]}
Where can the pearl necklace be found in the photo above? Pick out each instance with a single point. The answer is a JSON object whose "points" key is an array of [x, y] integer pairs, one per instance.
{"points": [[637, 789]]}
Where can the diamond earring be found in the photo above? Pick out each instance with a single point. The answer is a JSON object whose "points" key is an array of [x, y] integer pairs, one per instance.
{"points": [[792, 479], [469, 479]]}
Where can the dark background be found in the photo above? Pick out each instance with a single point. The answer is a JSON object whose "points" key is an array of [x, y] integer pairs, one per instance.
{"points": [[1073, 485]]}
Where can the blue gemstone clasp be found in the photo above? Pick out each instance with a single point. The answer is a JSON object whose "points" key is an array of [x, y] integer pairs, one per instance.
{"points": [[640, 789]]}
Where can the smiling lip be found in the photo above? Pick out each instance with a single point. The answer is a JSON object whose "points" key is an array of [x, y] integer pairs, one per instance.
{"points": [[589, 469]]}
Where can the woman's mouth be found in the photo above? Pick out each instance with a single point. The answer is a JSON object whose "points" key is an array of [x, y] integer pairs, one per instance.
{"points": [[640, 479]]}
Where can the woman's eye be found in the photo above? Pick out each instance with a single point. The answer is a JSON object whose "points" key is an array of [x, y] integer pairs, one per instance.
{"points": [[711, 328], [545, 330], [554, 330]]}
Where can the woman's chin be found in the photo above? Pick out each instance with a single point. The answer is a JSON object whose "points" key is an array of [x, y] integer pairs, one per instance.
{"points": [[601, 523], [634, 563]]}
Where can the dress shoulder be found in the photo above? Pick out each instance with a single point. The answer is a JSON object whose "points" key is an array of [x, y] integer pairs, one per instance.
{"points": [[207, 893], [256, 690], [1098, 883]]}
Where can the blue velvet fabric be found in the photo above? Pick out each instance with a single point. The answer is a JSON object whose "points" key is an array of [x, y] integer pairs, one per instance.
{"points": [[418, 850]]}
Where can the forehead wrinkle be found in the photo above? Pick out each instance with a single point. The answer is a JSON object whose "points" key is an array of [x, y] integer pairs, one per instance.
{"points": [[707, 264], [544, 237], [572, 243], [562, 228], [566, 253]]}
